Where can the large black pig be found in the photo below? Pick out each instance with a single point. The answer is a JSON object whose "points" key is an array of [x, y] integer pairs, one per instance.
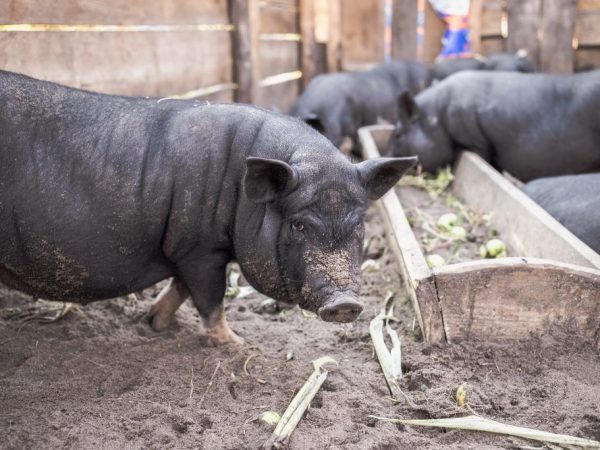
{"points": [[573, 200], [103, 195], [531, 125], [338, 104]]}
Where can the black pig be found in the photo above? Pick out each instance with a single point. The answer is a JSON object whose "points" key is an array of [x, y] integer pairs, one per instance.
{"points": [[338, 104], [103, 195], [531, 125]]}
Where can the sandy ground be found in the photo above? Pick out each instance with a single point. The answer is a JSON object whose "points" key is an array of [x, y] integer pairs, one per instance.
{"points": [[101, 378]]}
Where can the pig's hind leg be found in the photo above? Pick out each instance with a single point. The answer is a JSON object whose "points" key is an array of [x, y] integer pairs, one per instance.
{"points": [[168, 302]]}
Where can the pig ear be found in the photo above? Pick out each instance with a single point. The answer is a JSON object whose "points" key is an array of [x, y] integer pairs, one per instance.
{"points": [[314, 121], [381, 174], [408, 111], [265, 179]]}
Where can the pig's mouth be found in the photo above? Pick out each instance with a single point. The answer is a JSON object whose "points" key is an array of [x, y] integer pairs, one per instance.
{"points": [[342, 308]]}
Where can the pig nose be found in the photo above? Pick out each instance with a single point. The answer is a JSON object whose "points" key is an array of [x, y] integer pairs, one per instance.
{"points": [[342, 308]]}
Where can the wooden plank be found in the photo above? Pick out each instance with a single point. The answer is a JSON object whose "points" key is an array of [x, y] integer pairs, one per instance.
{"points": [[587, 59], [309, 45], [279, 57], [363, 31], [588, 28], [493, 45], [509, 298], [418, 278], [588, 5], [433, 30], [475, 16], [524, 225], [334, 45], [280, 96], [404, 29], [558, 26], [491, 21], [160, 64], [524, 18], [243, 15], [113, 12], [276, 17]]}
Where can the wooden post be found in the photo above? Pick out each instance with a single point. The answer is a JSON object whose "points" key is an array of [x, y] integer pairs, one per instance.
{"points": [[335, 33], [307, 30], [558, 27], [524, 17], [404, 29], [475, 17], [243, 14]]}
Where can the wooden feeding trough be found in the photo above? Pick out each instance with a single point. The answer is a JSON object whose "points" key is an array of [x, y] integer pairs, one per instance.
{"points": [[557, 278]]}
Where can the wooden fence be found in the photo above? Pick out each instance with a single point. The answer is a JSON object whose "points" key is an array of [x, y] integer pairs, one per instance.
{"points": [[559, 35], [220, 50]]}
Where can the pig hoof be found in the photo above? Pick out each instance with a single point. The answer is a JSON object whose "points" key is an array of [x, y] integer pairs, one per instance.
{"points": [[158, 320], [223, 338]]}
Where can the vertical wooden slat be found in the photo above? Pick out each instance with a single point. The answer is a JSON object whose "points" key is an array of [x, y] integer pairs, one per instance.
{"points": [[307, 30], [475, 15], [244, 16], [335, 36], [434, 28], [524, 18], [404, 29], [558, 27]]}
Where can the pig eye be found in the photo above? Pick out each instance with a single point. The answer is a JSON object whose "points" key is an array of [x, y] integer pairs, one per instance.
{"points": [[297, 226]]}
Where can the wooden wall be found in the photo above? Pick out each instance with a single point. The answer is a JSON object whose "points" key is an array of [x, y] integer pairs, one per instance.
{"points": [[119, 60], [158, 48], [279, 53], [362, 33], [560, 35]]}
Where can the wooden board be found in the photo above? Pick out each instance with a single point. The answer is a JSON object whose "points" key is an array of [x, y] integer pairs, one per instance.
{"points": [[277, 16], [158, 64], [587, 59], [509, 298], [475, 16], [418, 278], [244, 46], [280, 96], [493, 45], [525, 226], [524, 19], [278, 57], [113, 12], [308, 52], [362, 28], [404, 29], [433, 30], [558, 22], [492, 300], [588, 28], [491, 20], [334, 45]]}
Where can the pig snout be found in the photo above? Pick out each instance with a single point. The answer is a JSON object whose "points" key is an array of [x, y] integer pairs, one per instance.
{"points": [[342, 308]]}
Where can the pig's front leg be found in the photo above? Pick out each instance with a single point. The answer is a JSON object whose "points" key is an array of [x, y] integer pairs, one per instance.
{"points": [[207, 287]]}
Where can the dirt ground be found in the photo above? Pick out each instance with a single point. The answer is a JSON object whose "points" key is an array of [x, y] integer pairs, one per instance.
{"points": [[101, 378]]}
